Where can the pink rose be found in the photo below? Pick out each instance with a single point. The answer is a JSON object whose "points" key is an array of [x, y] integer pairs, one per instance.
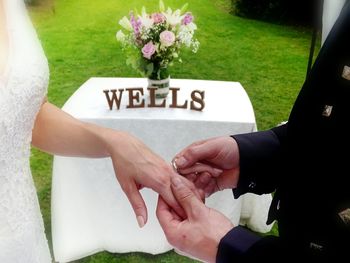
{"points": [[187, 19], [158, 18], [148, 50], [167, 38]]}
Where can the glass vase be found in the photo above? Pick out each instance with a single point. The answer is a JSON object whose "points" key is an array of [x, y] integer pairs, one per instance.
{"points": [[162, 87]]}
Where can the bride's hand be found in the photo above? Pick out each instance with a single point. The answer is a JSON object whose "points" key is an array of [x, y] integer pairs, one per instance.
{"points": [[136, 166]]}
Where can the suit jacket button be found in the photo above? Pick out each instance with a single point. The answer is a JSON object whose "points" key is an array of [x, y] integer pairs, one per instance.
{"points": [[315, 246], [327, 111], [252, 185]]}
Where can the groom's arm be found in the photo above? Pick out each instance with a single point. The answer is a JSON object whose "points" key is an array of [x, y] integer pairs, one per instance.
{"points": [[261, 157], [241, 245]]}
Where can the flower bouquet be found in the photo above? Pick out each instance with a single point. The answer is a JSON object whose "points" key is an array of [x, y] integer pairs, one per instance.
{"points": [[153, 41]]}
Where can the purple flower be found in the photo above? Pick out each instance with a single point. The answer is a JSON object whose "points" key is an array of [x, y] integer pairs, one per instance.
{"points": [[187, 19], [148, 50], [167, 38], [158, 18], [136, 24]]}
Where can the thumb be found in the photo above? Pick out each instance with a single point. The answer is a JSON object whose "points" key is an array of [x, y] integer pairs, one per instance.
{"points": [[186, 197], [137, 203], [191, 155]]}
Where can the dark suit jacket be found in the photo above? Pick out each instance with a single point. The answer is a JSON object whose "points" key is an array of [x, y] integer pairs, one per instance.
{"points": [[306, 162]]}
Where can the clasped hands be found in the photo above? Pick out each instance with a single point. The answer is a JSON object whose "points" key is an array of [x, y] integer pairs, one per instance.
{"points": [[211, 166], [203, 168]]}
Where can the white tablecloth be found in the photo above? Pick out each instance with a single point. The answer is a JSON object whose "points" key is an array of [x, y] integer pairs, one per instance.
{"points": [[90, 213]]}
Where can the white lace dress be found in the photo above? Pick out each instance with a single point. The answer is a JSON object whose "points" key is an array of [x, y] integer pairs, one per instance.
{"points": [[22, 90]]}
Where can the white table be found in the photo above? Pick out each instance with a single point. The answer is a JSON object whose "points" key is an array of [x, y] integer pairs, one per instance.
{"points": [[90, 213]]}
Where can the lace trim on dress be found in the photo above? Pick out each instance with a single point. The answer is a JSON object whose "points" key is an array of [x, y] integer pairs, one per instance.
{"points": [[22, 236]]}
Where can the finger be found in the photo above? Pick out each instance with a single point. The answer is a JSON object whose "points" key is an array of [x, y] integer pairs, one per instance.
{"points": [[192, 155], [207, 184], [165, 215], [187, 198], [170, 199], [202, 195], [136, 202], [228, 180], [201, 168], [198, 192], [191, 177], [189, 146], [203, 180], [211, 188]]}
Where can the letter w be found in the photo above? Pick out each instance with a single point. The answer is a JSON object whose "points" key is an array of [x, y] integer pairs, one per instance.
{"points": [[114, 97]]}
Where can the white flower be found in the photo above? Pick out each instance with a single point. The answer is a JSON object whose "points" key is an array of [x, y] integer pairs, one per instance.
{"points": [[191, 26], [186, 36], [147, 21], [195, 46], [173, 18], [125, 23], [121, 36]]}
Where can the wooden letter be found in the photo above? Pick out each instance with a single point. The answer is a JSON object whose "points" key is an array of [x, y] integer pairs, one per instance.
{"points": [[198, 99], [174, 104], [152, 99], [114, 98], [135, 97]]}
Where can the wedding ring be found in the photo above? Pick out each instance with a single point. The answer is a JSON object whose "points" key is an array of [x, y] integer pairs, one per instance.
{"points": [[174, 165]]}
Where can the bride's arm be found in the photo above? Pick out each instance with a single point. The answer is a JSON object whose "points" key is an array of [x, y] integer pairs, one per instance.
{"points": [[57, 132]]}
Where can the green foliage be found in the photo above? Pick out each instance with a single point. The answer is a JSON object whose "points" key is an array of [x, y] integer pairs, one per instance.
{"points": [[260, 8], [32, 2], [278, 10], [79, 39]]}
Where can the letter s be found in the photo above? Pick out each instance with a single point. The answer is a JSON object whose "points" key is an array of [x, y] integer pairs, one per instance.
{"points": [[197, 97]]}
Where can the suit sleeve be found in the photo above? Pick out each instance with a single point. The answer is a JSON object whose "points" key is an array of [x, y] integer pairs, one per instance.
{"points": [[261, 160], [240, 245]]}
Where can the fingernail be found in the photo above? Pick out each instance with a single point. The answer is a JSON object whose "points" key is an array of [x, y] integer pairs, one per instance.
{"points": [[176, 181], [218, 171], [181, 162], [141, 221]]}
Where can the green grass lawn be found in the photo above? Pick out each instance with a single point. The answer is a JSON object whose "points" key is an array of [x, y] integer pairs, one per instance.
{"points": [[79, 39]]}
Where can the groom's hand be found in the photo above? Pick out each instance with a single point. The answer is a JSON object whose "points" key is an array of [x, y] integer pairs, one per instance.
{"points": [[212, 164], [200, 233]]}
